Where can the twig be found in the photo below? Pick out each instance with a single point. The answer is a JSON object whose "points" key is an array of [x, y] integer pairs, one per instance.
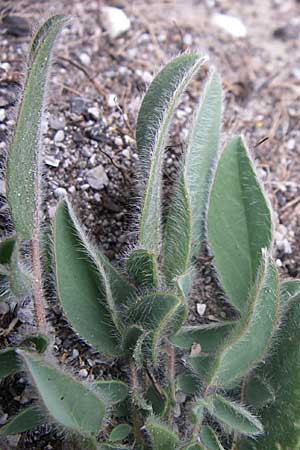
{"points": [[97, 86]]}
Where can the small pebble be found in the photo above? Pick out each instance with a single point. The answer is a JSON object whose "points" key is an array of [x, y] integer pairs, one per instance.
{"points": [[232, 25], [57, 123], [83, 373], [59, 192], [59, 136], [51, 161], [114, 21], [2, 115], [97, 177], [201, 307], [85, 59], [94, 112]]}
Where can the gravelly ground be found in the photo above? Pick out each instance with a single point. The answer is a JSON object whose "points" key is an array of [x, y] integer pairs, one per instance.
{"points": [[96, 88]]}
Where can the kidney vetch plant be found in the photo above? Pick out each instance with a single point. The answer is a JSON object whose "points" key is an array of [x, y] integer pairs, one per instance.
{"points": [[241, 377]]}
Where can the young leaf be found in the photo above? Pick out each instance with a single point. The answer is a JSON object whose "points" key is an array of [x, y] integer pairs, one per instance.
{"points": [[141, 267], [9, 362], [6, 249], [239, 223], [39, 342], [289, 289], [210, 439], [159, 401], [26, 420], [153, 124], [257, 392], [185, 221], [194, 446], [209, 336], [281, 417], [162, 438], [252, 336], [188, 382], [19, 278], [24, 158], [153, 313], [70, 403], [82, 291], [120, 432], [235, 416], [114, 391]]}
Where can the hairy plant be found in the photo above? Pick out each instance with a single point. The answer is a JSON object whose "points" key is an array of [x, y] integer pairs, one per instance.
{"points": [[241, 377]]}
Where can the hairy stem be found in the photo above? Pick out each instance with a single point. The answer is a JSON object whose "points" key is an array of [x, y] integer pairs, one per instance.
{"points": [[171, 374], [136, 418], [38, 297]]}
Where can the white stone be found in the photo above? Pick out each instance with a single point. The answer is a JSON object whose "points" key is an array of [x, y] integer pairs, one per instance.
{"points": [[115, 21], [51, 161], [85, 59], [60, 192], [112, 100], [232, 25], [2, 115], [59, 136], [201, 307], [97, 178], [94, 112], [83, 373]]}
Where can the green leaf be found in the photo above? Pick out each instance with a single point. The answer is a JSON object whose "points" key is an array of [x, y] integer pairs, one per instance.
{"points": [[24, 157], [114, 391], [141, 267], [153, 124], [19, 277], [194, 446], [281, 417], [235, 416], [188, 382], [252, 336], [162, 438], [178, 234], [83, 292], [186, 218], [289, 289], [210, 439], [39, 341], [257, 392], [158, 400], [70, 403], [131, 337], [153, 313], [9, 362], [26, 420], [120, 432], [239, 223], [202, 365], [6, 249], [209, 336]]}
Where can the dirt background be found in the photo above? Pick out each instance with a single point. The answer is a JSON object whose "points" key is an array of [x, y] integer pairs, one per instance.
{"points": [[97, 84]]}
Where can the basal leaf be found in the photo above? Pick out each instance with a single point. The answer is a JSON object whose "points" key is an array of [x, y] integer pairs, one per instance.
{"points": [[162, 437], [233, 415], [210, 439], [153, 124], [120, 432], [9, 362], [26, 420], [154, 313], [281, 417], [70, 403], [24, 158], [142, 268], [239, 223], [252, 336], [209, 336], [114, 391], [84, 293]]}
